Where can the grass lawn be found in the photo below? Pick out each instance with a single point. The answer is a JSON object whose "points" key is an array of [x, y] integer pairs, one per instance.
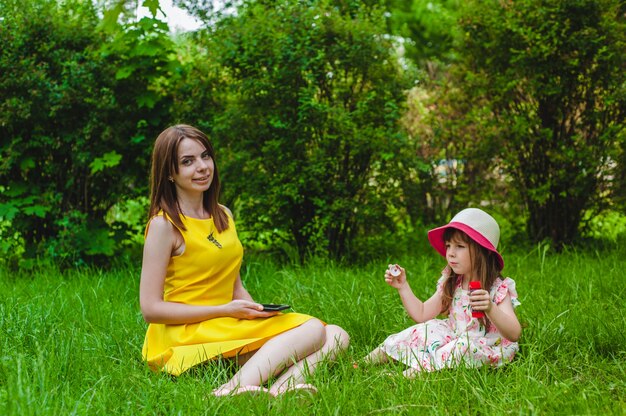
{"points": [[71, 343]]}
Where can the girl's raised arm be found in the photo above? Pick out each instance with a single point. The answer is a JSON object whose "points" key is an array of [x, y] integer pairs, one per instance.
{"points": [[418, 311]]}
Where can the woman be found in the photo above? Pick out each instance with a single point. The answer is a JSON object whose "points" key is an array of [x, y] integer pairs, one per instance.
{"points": [[191, 292]]}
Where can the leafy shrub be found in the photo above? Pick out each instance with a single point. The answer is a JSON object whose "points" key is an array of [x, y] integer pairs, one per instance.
{"points": [[310, 125], [77, 104]]}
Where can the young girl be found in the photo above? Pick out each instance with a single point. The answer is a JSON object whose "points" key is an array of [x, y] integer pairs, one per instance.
{"points": [[191, 293], [469, 245]]}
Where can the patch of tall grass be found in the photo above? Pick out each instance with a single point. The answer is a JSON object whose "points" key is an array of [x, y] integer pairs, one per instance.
{"points": [[71, 342]]}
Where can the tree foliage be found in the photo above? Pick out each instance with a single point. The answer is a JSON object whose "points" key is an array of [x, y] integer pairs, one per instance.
{"points": [[552, 75], [307, 103], [428, 28], [460, 167], [76, 105], [314, 99]]}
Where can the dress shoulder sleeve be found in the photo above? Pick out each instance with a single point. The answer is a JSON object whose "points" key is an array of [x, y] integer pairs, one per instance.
{"points": [[501, 288], [445, 273]]}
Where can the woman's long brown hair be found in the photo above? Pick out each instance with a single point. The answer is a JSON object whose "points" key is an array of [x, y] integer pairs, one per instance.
{"points": [[165, 164], [485, 266]]}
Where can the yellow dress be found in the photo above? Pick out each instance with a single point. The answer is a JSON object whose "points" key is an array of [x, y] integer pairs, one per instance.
{"points": [[204, 275]]}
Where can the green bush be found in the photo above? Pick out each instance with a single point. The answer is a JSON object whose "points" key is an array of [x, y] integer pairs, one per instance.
{"points": [[551, 78], [310, 125], [77, 104]]}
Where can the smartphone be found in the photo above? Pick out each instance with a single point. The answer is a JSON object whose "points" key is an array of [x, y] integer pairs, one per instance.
{"points": [[271, 307]]}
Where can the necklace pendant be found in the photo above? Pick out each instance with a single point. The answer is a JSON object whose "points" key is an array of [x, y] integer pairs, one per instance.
{"points": [[213, 240]]}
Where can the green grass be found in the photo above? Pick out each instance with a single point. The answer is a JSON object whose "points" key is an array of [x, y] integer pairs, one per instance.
{"points": [[71, 343]]}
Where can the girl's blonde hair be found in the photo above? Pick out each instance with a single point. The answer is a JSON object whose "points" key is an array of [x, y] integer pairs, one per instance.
{"points": [[485, 267]]}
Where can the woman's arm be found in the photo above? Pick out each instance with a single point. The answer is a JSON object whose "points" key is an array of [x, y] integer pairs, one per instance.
{"points": [[240, 292], [161, 241], [418, 311], [501, 315]]}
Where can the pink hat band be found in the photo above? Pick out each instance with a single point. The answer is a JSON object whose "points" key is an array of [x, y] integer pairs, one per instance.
{"points": [[481, 227]]}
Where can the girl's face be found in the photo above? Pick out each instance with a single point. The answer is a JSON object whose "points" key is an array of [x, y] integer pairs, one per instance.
{"points": [[458, 256], [195, 167]]}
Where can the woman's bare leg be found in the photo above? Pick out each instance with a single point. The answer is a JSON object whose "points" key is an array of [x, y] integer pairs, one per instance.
{"points": [[337, 340], [278, 353]]}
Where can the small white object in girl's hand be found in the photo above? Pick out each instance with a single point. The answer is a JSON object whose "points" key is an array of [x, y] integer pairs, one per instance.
{"points": [[394, 270]]}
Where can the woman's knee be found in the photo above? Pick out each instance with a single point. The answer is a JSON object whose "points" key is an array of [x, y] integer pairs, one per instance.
{"points": [[315, 330], [338, 336]]}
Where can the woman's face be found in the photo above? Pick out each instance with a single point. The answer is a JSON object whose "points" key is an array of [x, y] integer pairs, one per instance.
{"points": [[195, 167]]}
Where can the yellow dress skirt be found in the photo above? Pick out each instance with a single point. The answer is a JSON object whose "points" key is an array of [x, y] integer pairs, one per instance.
{"points": [[205, 275]]}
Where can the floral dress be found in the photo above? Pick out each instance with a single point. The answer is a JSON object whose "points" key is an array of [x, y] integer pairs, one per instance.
{"points": [[458, 339]]}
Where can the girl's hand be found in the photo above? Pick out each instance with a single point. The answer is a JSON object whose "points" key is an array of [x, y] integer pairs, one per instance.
{"points": [[480, 300], [245, 309], [398, 281]]}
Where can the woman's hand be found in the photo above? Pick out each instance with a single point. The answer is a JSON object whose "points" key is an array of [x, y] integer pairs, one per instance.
{"points": [[480, 300], [245, 309], [398, 281]]}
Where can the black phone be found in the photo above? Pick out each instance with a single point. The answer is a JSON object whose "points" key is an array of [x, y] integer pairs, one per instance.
{"points": [[271, 307]]}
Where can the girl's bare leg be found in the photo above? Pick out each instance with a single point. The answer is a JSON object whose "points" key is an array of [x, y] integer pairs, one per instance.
{"points": [[278, 353], [378, 356], [410, 373], [337, 340]]}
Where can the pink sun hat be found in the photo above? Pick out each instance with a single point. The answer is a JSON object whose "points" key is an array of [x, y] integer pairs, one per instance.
{"points": [[477, 224]]}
